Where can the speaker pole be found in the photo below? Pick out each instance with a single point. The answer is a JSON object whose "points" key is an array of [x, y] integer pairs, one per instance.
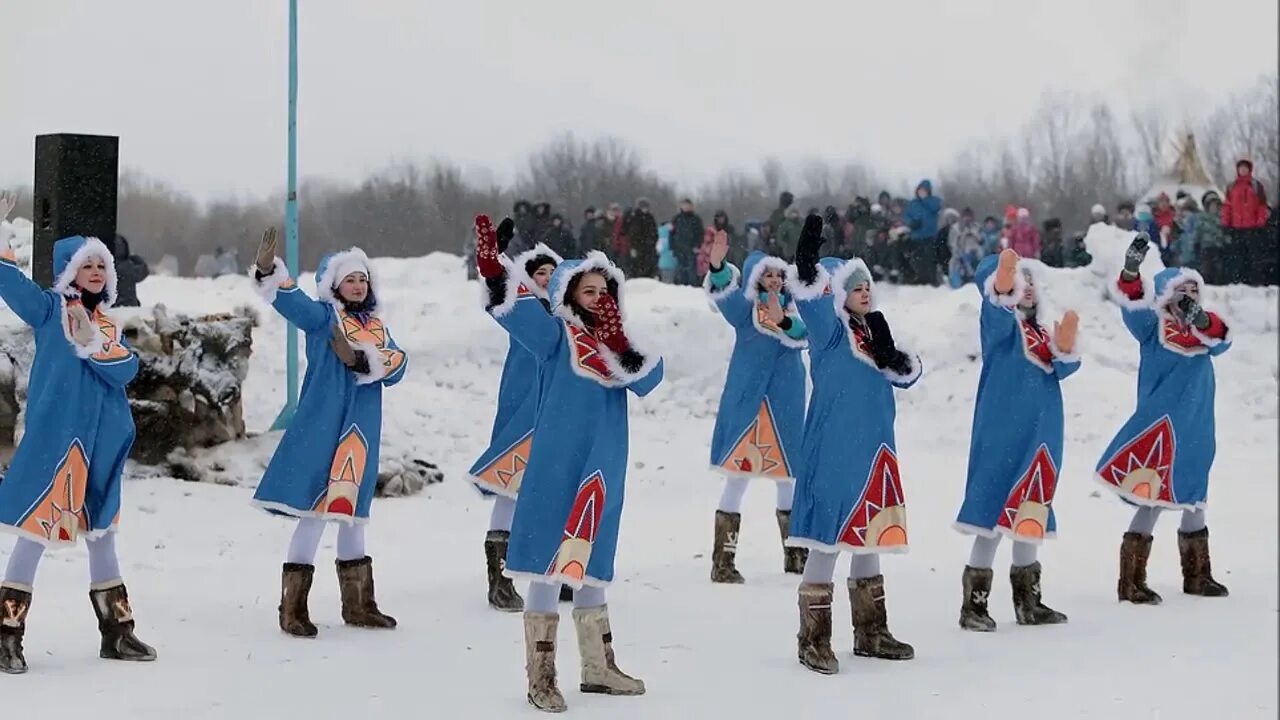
{"points": [[291, 225]]}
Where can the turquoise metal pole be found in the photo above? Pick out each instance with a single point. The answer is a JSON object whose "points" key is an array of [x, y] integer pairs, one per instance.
{"points": [[291, 224]]}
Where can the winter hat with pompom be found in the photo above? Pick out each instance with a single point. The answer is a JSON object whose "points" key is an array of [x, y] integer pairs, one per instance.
{"points": [[1098, 210]]}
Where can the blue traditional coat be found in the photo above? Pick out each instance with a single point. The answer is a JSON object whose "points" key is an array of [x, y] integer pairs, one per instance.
{"points": [[500, 468], [1015, 452], [570, 504], [326, 465], [65, 477], [1162, 455], [760, 421], [849, 490]]}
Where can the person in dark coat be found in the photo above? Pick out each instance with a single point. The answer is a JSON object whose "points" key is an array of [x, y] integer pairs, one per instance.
{"points": [[1052, 252], [588, 238], [559, 237], [737, 243], [130, 270], [641, 230], [686, 238], [785, 200]]}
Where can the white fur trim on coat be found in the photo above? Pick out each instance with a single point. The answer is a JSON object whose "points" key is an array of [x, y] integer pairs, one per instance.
{"points": [[267, 286], [377, 370], [735, 283], [93, 247], [84, 352], [1210, 341], [593, 261], [1062, 356], [807, 544], [802, 292], [510, 292]]}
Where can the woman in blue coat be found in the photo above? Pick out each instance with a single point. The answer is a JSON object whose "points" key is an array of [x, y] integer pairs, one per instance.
{"points": [[565, 529], [761, 416], [64, 480], [1161, 457], [849, 490], [499, 470], [1015, 452], [325, 469]]}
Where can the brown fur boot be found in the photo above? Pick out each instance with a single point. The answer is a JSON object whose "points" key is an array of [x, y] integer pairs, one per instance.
{"points": [[725, 549], [600, 673], [871, 636], [540, 661], [814, 638], [1027, 607], [115, 623], [793, 558], [977, 588], [1135, 550], [359, 605], [1197, 579], [295, 587], [502, 592], [15, 601]]}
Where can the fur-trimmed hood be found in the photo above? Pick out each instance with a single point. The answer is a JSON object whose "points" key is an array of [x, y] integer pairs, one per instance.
{"points": [[754, 268], [839, 274], [518, 268], [594, 261], [1046, 311], [344, 262], [70, 254]]}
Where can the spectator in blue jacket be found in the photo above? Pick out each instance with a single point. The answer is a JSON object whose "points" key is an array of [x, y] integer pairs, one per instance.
{"points": [[921, 216]]}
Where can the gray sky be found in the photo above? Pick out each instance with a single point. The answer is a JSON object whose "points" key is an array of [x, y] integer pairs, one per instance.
{"points": [[197, 90]]}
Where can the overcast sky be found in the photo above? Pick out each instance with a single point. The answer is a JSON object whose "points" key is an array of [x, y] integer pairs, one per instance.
{"points": [[197, 90]]}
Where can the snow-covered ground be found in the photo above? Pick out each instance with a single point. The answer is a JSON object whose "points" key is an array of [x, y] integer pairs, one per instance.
{"points": [[203, 567]]}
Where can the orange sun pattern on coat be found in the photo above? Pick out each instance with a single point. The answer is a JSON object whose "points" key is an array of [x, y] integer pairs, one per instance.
{"points": [[758, 451], [60, 515], [345, 475]]}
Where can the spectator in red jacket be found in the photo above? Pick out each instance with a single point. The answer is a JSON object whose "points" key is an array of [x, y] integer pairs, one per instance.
{"points": [[1163, 213], [1251, 252], [1024, 239]]}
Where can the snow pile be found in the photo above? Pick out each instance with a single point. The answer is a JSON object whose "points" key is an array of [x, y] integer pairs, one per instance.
{"points": [[704, 650]]}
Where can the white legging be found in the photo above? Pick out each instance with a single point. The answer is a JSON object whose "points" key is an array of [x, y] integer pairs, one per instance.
{"points": [[820, 568], [735, 488], [1144, 520], [983, 554], [104, 565], [503, 512], [306, 541], [544, 597]]}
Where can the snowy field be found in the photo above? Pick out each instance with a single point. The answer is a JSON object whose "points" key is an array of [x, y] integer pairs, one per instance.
{"points": [[203, 567]]}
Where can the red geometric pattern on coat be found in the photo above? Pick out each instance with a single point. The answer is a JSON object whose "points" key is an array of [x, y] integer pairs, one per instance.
{"points": [[1035, 344], [883, 493], [372, 333], [345, 475], [522, 291], [588, 506], [862, 341], [1038, 484], [758, 450], [586, 351], [1152, 450], [1180, 339], [60, 515]]}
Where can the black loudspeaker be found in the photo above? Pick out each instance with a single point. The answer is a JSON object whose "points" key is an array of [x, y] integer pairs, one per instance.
{"points": [[75, 194]]}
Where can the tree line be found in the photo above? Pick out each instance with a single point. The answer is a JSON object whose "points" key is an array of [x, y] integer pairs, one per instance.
{"points": [[1072, 153]]}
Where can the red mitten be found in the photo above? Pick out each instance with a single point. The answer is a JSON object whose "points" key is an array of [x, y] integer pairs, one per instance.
{"points": [[487, 248], [609, 325]]}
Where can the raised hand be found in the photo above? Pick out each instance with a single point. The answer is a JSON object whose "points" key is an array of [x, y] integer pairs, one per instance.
{"points": [[1134, 255], [506, 231], [1193, 313], [83, 330], [8, 202], [267, 251], [883, 349], [808, 249], [773, 308], [1006, 271], [1064, 332], [338, 341], [719, 249], [609, 325], [487, 248]]}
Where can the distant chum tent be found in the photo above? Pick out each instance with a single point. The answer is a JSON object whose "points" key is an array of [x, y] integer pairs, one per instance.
{"points": [[1187, 174]]}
